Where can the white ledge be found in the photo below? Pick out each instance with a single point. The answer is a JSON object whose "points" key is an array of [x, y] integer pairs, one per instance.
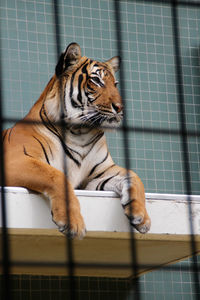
{"points": [[102, 211]]}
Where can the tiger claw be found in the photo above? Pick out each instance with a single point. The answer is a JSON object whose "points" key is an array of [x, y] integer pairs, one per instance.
{"points": [[144, 227], [70, 233], [140, 222], [135, 220], [63, 229]]}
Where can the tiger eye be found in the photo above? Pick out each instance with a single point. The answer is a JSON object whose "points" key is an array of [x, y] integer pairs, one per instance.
{"points": [[96, 80]]}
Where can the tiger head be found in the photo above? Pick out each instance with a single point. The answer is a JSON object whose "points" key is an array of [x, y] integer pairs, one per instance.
{"points": [[89, 95]]}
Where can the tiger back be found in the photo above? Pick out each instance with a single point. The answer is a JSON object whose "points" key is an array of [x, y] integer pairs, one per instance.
{"points": [[66, 127]]}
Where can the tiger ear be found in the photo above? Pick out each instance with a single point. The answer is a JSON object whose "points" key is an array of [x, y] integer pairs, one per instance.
{"points": [[114, 62], [69, 58]]}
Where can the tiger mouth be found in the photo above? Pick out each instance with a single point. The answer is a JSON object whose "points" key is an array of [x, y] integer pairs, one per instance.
{"points": [[99, 119], [114, 119]]}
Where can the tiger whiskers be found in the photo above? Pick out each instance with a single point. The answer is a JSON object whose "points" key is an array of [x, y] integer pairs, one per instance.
{"points": [[93, 118]]}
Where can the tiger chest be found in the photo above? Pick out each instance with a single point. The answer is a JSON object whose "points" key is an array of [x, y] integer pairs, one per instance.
{"points": [[77, 161]]}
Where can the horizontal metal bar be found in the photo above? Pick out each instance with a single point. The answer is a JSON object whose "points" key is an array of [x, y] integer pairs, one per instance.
{"points": [[63, 265]]}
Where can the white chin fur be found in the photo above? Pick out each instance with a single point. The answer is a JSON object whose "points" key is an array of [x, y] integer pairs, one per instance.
{"points": [[112, 125]]}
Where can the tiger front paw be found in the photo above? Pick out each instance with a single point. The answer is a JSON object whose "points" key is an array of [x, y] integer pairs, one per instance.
{"points": [[73, 228], [138, 216]]}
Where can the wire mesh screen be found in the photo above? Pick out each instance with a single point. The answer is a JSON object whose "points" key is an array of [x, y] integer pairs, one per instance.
{"points": [[159, 81]]}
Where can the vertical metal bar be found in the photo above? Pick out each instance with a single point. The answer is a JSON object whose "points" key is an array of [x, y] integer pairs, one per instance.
{"points": [[6, 292], [184, 137], [136, 283], [69, 244]]}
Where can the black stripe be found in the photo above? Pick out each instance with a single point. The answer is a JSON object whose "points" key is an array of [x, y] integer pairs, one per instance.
{"points": [[91, 98], [43, 148], [49, 147], [9, 136], [129, 202], [97, 97], [72, 78], [90, 88], [65, 148], [100, 174], [54, 130], [80, 79], [104, 110], [71, 86], [25, 152], [93, 169], [100, 186], [77, 133], [84, 71], [74, 151], [65, 106], [3, 136], [94, 140], [74, 103]]}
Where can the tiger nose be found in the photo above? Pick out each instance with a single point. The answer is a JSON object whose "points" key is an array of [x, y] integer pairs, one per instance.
{"points": [[117, 107]]}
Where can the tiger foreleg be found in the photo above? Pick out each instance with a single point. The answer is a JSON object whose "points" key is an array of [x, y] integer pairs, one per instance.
{"points": [[45, 179], [65, 210], [133, 202], [131, 191]]}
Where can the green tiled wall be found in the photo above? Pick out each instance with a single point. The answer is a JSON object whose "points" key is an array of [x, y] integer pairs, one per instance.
{"points": [[28, 61], [173, 284]]}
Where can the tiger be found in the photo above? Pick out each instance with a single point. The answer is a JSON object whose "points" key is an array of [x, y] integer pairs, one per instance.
{"points": [[66, 126]]}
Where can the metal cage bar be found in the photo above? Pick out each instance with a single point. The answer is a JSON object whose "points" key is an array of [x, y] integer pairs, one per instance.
{"points": [[69, 244], [135, 281], [184, 135], [5, 238]]}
